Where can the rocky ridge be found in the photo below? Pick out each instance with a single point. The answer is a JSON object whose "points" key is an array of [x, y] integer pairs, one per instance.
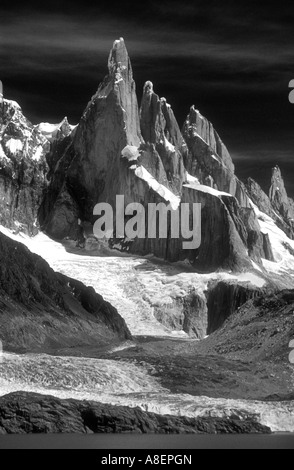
{"points": [[23, 169], [143, 155]]}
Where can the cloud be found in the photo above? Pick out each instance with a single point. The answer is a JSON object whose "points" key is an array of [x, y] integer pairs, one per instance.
{"points": [[233, 61], [65, 42]]}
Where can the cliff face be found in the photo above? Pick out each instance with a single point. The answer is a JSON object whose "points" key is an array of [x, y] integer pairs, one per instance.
{"points": [[161, 132], [224, 299], [208, 158], [91, 168], [23, 169]]}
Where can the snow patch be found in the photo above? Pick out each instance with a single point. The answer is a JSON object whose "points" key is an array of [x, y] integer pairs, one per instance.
{"points": [[50, 130], [12, 103], [164, 192], [118, 80], [207, 189], [169, 146], [47, 128], [192, 179], [130, 152], [163, 101], [38, 154], [14, 146], [284, 260], [3, 157], [255, 265]]}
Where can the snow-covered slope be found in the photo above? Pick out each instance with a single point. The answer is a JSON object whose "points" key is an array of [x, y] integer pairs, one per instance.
{"points": [[282, 246], [136, 286], [50, 131], [19, 139]]}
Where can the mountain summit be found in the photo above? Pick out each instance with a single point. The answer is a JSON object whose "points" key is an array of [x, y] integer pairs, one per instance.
{"points": [[141, 153]]}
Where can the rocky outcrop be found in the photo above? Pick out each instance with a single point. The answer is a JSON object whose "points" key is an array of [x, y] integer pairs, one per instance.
{"points": [[161, 131], [278, 195], [259, 198], [43, 310], [277, 205], [209, 161], [279, 198], [208, 158], [197, 125], [188, 314], [91, 168], [258, 331], [224, 299], [60, 137], [23, 169], [25, 413]]}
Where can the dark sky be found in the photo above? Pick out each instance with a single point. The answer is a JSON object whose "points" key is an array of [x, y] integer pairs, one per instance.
{"points": [[232, 59]]}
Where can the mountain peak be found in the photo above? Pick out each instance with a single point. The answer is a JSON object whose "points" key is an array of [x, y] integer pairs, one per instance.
{"points": [[118, 57]]}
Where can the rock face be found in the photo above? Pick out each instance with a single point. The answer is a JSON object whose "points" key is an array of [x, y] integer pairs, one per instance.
{"points": [[224, 299], [278, 195], [188, 314], [117, 150], [43, 310], [277, 204], [23, 169], [208, 158], [91, 169], [25, 413], [161, 132], [279, 198], [209, 161]]}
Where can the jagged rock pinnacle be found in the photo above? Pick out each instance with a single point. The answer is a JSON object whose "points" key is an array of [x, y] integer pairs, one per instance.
{"points": [[118, 57], [148, 88]]}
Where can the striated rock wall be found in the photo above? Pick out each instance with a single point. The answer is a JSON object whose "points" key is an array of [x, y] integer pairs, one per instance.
{"points": [[160, 128], [224, 299]]}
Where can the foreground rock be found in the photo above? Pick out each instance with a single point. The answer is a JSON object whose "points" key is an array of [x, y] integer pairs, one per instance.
{"points": [[23, 413], [43, 310]]}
